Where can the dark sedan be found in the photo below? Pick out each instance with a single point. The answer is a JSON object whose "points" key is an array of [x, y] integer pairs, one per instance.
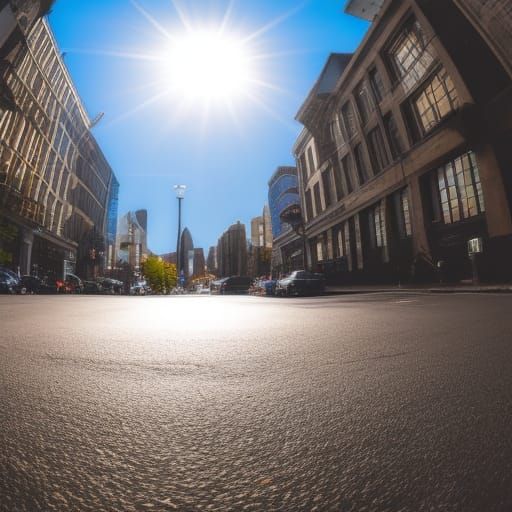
{"points": [[301, 282], [234, 284]]}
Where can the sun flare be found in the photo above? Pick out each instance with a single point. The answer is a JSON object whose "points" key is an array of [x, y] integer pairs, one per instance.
{"points": [[208, 65], [205, 67]]}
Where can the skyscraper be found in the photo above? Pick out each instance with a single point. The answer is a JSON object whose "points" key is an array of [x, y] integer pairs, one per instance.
{"points": [[211, 261], [232, 251], [261, 230], [186, 256]]}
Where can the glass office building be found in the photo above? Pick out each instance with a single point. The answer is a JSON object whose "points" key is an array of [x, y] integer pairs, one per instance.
{"points": [[56, 188]]}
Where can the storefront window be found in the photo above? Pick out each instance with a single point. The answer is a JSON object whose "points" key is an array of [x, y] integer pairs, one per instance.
{"points": [[460, 189], [319, 251], [406, 214], [377, 217]]}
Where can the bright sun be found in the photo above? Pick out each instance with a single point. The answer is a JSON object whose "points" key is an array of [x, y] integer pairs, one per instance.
{"points": [[208, 65]]}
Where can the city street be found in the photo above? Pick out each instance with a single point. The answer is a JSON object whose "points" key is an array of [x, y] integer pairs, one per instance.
{"points": [[377, 402]]}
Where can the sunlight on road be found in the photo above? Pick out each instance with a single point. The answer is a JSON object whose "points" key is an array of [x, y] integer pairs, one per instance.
{"points": [[190, 314]]}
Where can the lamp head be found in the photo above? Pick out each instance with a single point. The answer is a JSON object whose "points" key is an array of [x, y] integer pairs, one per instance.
{"points": [[180, 191]]}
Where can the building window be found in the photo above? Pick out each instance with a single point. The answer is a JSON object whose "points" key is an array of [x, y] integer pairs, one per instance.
{"points": [[335, 131], [460, 190], [347, 113], [377, 218], [309, 205], [377, 84], [318, 202], [378, 151], [348, 248], [327, 184], [339, 130], [405, 212], [338, 183], [303, 168], [364, 102], [361, 167], [311, 161], [411, 56], [340, 249], [394, 139], [319, 251], [346, 173], [437, 99]]}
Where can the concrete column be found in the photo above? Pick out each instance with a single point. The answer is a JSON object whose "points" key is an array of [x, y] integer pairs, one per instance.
{"points": [[497, 209], [27, 241], [419, 233], [359, 243], [385, 234]]}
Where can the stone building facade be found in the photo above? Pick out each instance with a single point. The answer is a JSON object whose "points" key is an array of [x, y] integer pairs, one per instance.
{"points": [[404, 163], [58, 194]]}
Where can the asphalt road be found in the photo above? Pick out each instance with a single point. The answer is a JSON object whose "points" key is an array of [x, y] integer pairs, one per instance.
{"points": [[384, 402]]}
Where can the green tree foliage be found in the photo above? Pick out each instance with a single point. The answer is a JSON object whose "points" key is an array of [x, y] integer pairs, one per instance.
{"points": [[159, 274]]}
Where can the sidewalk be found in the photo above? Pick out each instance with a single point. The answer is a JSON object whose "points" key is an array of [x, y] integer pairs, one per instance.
{"points": [[427, 288]]}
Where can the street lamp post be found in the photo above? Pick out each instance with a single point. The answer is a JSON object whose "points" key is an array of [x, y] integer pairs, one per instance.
{"points": [[180, 194]]}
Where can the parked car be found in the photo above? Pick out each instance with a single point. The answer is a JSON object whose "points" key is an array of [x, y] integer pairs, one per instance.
{"points": [[50, 284], [140, 288], [8, 283], [10, 272], [73, 284], [270, 286], [29, 285], [263, 287], [200, 289], [301, 282], [234, 284], [92, 287], [111, 286]]}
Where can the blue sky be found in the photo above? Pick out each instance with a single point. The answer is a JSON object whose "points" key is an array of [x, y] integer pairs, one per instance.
{"points": [[153, 144]]}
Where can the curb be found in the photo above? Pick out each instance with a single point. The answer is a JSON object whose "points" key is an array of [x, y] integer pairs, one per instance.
{"points": [[420, 290]]}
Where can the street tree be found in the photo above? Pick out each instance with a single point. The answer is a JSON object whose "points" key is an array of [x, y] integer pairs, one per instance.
{"points": [[160, 275]]}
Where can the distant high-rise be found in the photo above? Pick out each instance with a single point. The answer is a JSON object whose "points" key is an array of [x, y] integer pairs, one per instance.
{"points": [[211, 261], [186, 245], [232, 252], [169, 257], [261, 230], [287, 247], [198, 269], [131, 242]]}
